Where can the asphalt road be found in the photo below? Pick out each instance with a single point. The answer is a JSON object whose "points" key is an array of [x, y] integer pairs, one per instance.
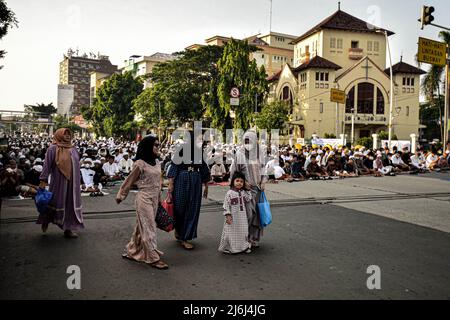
{"points": [[310, 251]]}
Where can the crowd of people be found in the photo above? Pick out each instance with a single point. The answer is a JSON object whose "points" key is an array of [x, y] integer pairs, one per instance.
{"points": [[107, 162]]}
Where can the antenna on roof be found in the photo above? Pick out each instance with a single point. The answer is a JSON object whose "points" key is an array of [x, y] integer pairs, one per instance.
{"points": [[339, 6], [401, 57]]}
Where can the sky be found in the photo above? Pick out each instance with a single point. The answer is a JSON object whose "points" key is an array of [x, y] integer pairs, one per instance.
{"points": [[119, 29]]}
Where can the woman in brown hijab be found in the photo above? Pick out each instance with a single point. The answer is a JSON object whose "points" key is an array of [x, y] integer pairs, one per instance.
{"points": [[62, 165]]}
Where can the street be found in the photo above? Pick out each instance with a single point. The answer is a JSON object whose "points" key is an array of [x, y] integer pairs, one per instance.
{"points": [[324, 236]]}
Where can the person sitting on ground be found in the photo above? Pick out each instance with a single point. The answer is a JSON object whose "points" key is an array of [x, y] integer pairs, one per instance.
{"points": [[296, 169], [125, 164], [380, 168], [432, 160], [442, 163], [359, 164], [314, 171], [10, 179], [397, 162], [350, 169], [331, 167], [418, 162], [218, 171], [87, 176], [99, 176], [111, 170], [406, 156]]}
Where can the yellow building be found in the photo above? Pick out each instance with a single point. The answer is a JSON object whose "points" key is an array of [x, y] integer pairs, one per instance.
{"points": [[276, 50], [348, 54]]}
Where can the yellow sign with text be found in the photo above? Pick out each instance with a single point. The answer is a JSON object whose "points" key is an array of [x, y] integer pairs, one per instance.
{"points": [[432, 52], [337, 96]]}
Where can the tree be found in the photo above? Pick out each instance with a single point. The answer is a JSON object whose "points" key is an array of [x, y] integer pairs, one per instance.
{"points": [[366, 142], [112, 113], [273, 116], [62, 122], [236, 70], [430, 116], [183, 87], [7, 21], [150, 106], [45, 109]]}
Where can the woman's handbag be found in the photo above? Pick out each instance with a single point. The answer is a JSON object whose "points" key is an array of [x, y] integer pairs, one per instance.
{"points": [[42, 200], [164, 216], [265, 216]]}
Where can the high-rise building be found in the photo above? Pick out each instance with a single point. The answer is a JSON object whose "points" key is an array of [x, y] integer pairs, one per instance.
{"points": [[76, 70]]}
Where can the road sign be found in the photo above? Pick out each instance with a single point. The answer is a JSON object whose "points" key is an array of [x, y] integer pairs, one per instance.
{"points": [[337, 96], [234, 101], [432, 52], [234, 92]]}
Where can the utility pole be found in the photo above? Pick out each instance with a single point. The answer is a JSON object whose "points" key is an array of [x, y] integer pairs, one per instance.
{"points": [[446, 104]]}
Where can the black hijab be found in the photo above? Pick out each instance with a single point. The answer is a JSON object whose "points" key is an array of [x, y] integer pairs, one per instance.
{"points": [[145, 150]]}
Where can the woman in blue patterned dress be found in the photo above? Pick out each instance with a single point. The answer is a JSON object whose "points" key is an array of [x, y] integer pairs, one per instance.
{"points": [[185, 189]]}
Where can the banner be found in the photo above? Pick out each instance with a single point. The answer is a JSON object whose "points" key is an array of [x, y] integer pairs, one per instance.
{"points": [[400, 144]]}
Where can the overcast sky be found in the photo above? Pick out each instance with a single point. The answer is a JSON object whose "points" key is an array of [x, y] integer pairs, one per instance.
{"points": [[118, 28]]}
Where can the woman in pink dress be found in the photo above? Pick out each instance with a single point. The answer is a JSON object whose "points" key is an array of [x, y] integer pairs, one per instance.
{"points": [[146, 174]]}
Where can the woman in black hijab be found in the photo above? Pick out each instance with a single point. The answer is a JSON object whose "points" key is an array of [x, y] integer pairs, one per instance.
{"points": [[146, 174], [185, 188]]}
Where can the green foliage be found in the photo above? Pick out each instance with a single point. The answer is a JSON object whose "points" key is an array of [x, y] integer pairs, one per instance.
{"points": [[329, 136], [45, 109], [184, 88], [7, 21], [430, 115], [273, 115], [366, 142], [62, 122], [235, 69], [383, 135], [112, 109]]}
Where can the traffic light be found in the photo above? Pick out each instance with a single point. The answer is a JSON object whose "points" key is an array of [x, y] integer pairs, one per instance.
{"points": [[427, 15]]}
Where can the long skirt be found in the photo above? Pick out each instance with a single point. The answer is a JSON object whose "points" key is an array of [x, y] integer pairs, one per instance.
{"points": [[142, 246], [187, 199]]}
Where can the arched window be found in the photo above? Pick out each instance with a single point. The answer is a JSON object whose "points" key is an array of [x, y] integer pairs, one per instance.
{"points": [[286, 95], [365, 98], [380, 102], [350, 101]]}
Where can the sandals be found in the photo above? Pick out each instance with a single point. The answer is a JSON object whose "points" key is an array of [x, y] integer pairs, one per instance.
{"points": [[187, 245], [158, 264]]}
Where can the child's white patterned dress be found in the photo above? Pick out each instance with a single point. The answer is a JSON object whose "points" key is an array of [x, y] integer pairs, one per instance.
{"points": [[235, 236]]}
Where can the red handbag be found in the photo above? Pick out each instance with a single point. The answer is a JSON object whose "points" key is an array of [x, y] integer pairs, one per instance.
{"points": [[168, 205]]}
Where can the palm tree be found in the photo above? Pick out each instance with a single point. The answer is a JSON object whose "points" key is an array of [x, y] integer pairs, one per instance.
{"points": [[433, 82]]}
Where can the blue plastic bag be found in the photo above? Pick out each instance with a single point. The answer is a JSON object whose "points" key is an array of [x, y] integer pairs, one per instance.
{"points": [[42, 199], [265, 216]]}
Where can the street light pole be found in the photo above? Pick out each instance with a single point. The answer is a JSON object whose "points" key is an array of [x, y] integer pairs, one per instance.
{"points": [[391, 93]]}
